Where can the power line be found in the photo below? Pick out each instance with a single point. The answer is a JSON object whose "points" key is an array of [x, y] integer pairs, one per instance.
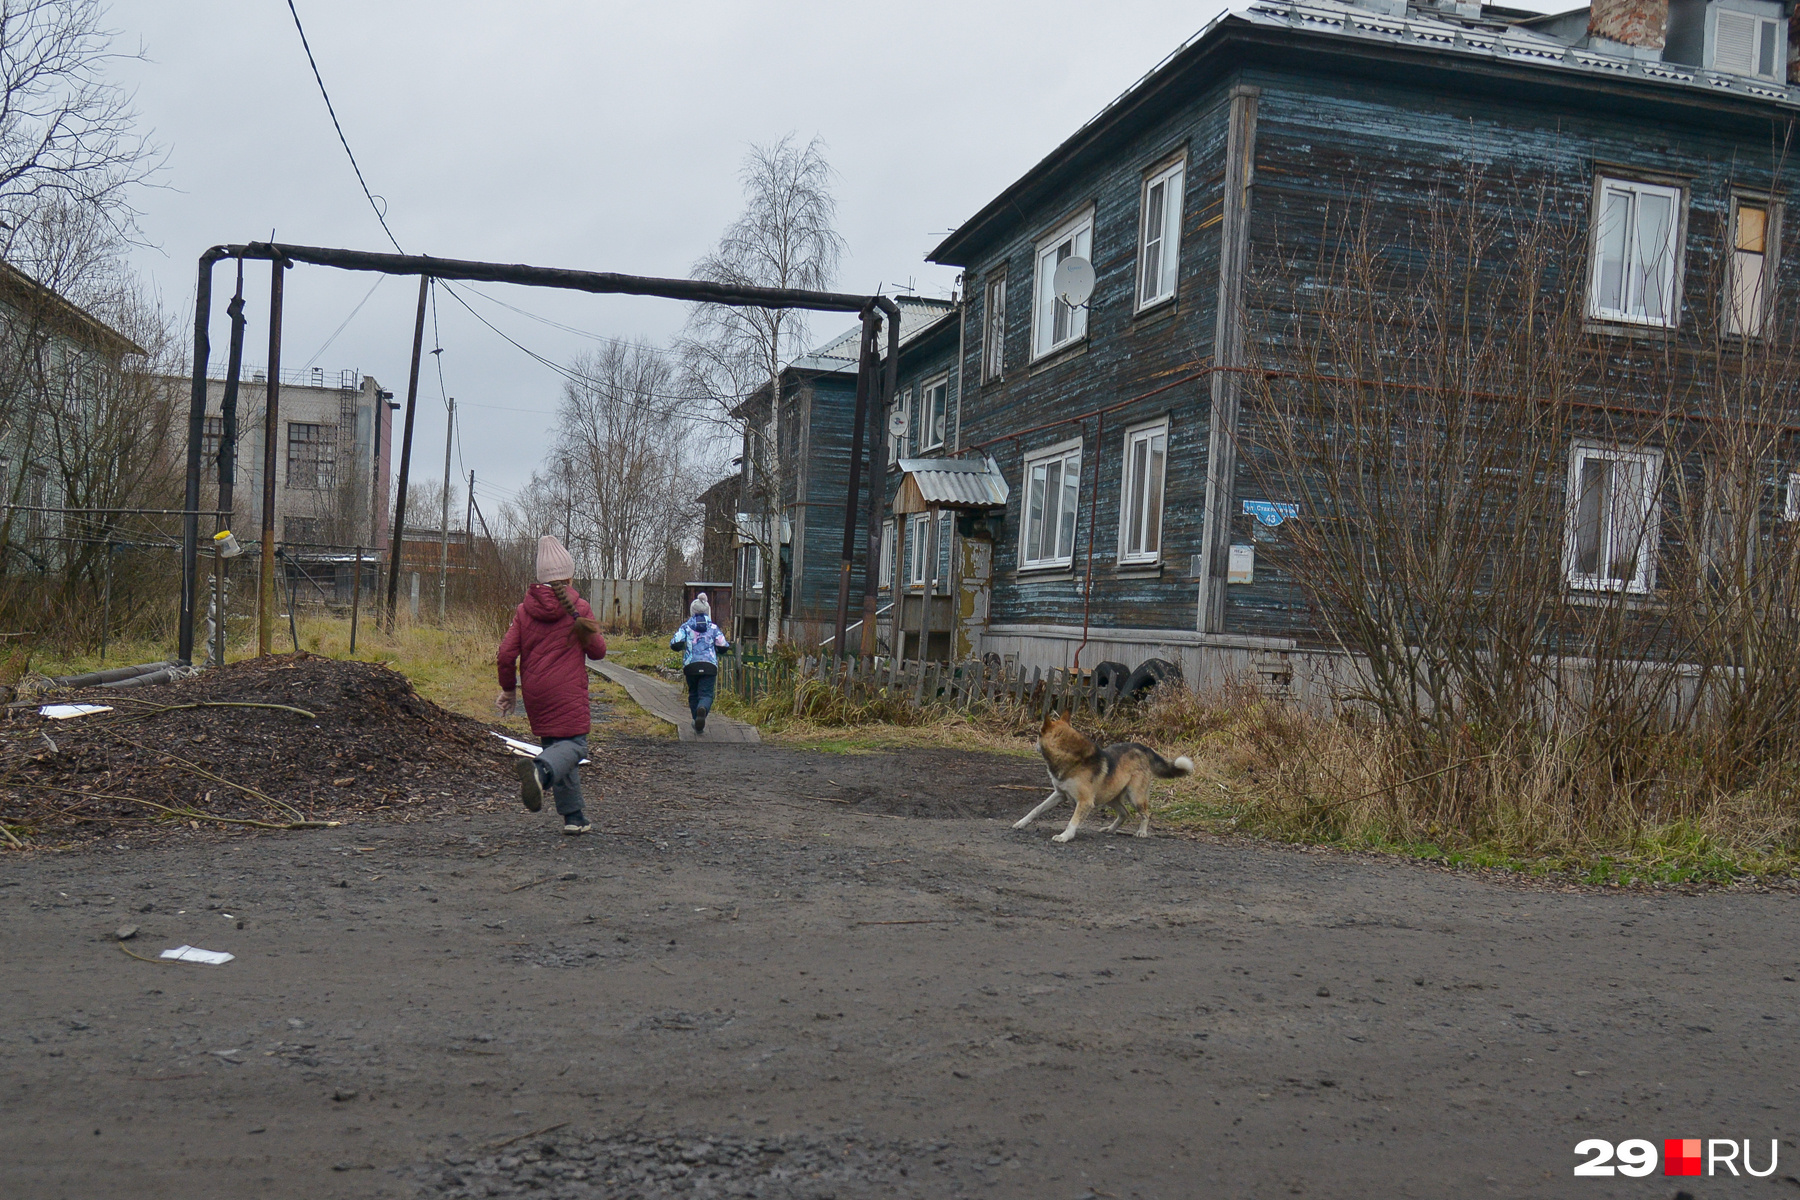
{"points": [[317, 354], [379, 215]]}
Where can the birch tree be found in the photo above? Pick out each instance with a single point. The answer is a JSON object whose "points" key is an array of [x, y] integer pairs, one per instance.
{"points": [[785, 237]]}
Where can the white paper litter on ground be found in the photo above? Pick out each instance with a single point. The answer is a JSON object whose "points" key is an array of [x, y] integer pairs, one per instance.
{"points": [[215, 958], [523, 749], [62, 712]]}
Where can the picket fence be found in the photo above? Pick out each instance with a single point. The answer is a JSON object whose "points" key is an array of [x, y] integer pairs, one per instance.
{"points": [[963, 685]]}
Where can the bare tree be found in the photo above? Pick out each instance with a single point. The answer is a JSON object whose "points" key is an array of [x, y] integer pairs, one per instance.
{"points": [[69, 141], [1557, 559], [785, 238], [629, 443]]}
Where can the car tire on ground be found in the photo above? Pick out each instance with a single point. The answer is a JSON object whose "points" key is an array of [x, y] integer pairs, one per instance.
{"points": [[1150, 673]]}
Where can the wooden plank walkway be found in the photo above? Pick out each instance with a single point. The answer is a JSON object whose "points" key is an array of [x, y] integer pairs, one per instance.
{"points": [[667, 702]]}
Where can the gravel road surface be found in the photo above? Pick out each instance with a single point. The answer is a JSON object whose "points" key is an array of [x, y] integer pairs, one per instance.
{"points": [[786, 974]]}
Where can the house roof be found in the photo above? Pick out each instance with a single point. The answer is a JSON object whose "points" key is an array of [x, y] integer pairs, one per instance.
{"points": [[61, 309], [950, 483], [1498, 41], [917, 314]]}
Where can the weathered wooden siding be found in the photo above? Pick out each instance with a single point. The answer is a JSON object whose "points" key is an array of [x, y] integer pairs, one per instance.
{"points": [[1125, 355], [822, 433], [1327, 145]]}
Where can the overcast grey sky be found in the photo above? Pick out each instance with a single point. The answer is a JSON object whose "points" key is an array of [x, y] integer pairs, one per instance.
{"points": [[604, 136], [596, 135]]}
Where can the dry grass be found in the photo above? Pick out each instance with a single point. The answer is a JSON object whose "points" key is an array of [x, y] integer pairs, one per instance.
{"points": [[1269, 770]]}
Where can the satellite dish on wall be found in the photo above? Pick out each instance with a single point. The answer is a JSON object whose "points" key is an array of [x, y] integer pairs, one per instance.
{"points": [[897, 423], [1073, 281]]}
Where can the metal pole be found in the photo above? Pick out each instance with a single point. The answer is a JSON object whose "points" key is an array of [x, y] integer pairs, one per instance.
{"points": [[890, 379], [234, 366], [190, 521], [265, 617], [293, 598], [444, 519], [355, 597], [864, 371], [397, 534], [106, 604]]}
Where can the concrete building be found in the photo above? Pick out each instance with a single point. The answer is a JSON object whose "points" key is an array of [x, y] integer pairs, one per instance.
{"points": [[332, 456]]}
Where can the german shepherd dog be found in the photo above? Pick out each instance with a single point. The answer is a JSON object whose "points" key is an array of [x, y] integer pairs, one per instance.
{"points": [[1117, 777]]}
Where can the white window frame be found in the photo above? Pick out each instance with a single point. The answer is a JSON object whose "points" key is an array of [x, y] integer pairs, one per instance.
{"points": [[886, 578], [1631, 308], [916, 533], [751, 567], [1790, 509], [934, 413], [993, 337], [1135, 493], [1747, 302], [1762, 39], [1159, 248], [1065, 454], [1077, 236], [1644, 576], [900, 447]]}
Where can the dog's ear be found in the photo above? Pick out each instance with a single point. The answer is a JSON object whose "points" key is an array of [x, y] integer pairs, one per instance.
{"points": [[1050, 719]]}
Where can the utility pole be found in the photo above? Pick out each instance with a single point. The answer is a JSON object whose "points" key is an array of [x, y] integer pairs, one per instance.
{"points": [[444, 522], [265, 617], [397, 539]]}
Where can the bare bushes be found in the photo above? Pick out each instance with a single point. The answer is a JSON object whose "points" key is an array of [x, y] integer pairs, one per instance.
{"points": [[1562, 559]]}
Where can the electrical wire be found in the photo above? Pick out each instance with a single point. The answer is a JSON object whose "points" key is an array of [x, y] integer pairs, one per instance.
{"points": [[379, 215], [379, 280]]}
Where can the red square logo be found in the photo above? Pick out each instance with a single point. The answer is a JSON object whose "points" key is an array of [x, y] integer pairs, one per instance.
{"points": [[1681, 1156]]}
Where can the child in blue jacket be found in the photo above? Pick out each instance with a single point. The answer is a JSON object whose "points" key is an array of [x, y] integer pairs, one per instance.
{"points": [[700, 641]]}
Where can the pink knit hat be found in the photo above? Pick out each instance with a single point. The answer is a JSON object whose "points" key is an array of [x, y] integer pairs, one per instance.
{"points": [[553, 561]]}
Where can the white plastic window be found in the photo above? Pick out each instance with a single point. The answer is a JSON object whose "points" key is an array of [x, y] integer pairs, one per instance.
{"points": [[1053, 323], [1051, 498], [1790, 510], [1636, 253], [1745, 44], [1160, 236], [1614, 518], [934, 413], [900, 446], [887, 554], [1141, 503]]}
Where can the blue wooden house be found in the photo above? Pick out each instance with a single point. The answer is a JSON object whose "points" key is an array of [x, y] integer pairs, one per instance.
{"points": [[1132, 526], [794, 473]]}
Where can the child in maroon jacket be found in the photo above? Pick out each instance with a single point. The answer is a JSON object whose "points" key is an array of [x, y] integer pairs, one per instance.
{"points": [[552, 635]]}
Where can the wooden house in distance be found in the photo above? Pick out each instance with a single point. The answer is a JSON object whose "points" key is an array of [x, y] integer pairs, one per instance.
{"points": [[1132, 522], [799, 467]]}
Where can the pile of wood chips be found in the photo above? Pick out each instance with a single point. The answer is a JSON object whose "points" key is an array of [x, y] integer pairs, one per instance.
{"points": [[284, 741]]}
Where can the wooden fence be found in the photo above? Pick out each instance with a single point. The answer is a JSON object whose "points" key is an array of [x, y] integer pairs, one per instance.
{"points": [[962, 685]]}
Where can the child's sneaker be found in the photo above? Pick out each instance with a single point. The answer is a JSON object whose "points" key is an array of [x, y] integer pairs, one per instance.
{"points": [[575, 822], [700, 721], [531, 784]]}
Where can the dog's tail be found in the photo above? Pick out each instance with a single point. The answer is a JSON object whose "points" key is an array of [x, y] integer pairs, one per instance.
{"points": [[1162, 768]]}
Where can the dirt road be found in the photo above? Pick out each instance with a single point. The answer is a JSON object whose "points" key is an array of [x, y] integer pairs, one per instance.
{"points": [[741, 985]]}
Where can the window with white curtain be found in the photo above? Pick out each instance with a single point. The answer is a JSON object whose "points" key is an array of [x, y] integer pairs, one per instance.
{"points": [[1637, 253], [1160, 236], [1613, 520], [1141, 503], [1051, 494], [1053, 323]]}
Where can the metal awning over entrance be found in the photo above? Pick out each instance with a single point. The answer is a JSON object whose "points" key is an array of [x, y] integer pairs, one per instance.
{"points": [[959, 483]]}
